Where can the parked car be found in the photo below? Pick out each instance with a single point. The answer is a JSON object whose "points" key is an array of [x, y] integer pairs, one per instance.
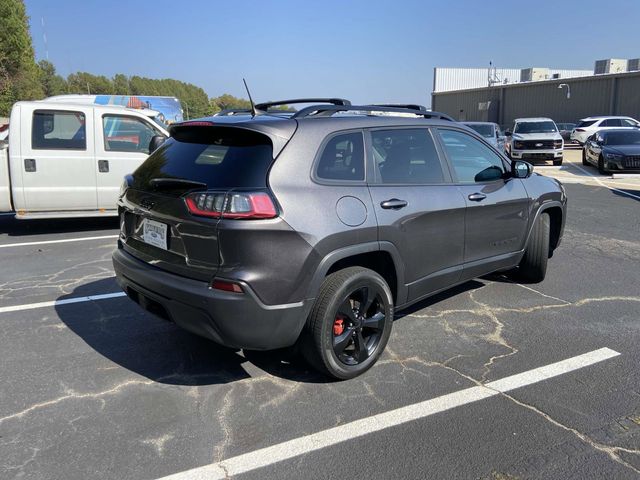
{"points": [[565, 130], [490, 131], [261, 232], [613, 150], [590, 125], [68, 160], [536, 139]]}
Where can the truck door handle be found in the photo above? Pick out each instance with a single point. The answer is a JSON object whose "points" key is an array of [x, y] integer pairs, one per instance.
{"points": [[103, 166], [477, 197], [393, 204], [29, 164]]}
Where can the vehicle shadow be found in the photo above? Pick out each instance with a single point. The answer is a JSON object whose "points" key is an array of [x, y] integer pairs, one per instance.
{"points": [[635, 193], [12, 227], [451, 292], [124, 333]]}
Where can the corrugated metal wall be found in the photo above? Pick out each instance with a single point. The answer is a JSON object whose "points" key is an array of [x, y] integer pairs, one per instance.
{"points": [[597, 95], [449, 79]]}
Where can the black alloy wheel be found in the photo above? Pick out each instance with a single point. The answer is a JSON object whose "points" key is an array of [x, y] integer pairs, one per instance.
{"points": [[350, 323], [359, 325]]}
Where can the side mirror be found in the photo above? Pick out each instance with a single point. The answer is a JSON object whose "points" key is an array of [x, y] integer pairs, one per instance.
{"points": [[521, 169], [155, 142]]}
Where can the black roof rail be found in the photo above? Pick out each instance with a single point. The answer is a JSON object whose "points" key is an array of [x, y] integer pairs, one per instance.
{"points": [[411, 106], [229, 112], [328, 110], [264, 106]]}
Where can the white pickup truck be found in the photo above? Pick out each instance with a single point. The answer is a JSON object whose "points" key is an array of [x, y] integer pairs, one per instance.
{"points": [[69, 160]]}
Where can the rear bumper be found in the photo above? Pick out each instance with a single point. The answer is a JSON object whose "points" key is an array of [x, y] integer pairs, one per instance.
{"points": [[238, 320]]}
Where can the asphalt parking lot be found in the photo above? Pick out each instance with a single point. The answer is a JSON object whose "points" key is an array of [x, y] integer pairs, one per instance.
{"points": [[94, 387]]}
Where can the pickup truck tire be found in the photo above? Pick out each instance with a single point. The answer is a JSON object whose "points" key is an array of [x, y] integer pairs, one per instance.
{"points": [[584, 159], [343, 336], [533, 266]]}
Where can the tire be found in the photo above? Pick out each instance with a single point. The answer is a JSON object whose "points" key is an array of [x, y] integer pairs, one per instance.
{"points": [[584, 159], [557, 163], [361, 345], [601, 168], [533, 266]]}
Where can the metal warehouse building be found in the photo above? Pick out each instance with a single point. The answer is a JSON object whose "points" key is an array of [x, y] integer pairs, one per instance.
{"points": [[610, 94]]}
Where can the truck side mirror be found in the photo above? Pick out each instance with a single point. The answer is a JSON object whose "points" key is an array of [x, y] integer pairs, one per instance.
{"points": [[155, 142]]}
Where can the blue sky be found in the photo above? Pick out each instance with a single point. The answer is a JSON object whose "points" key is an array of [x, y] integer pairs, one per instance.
{"points": [[367, 51]]}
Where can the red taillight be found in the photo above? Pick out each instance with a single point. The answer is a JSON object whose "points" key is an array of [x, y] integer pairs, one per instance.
{"points": [[580, 130], [205, 204], [249, 205], [226, 286], [252, 205]]}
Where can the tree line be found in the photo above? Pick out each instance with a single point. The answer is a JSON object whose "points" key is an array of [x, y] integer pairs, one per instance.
{"points": [[21, 78]]}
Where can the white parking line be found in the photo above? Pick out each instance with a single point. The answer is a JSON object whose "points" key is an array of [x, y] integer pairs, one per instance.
{"points": [[602, 184], [349, 431], [66, 240], [65, 301]]}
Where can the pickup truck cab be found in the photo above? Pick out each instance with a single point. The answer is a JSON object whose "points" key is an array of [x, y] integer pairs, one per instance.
{"points": [[69, 160], [536, 139]]}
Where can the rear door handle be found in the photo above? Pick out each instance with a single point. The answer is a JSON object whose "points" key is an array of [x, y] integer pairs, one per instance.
{"points": [[477, 197], [29, 164], [103, 166], [393, 204]]}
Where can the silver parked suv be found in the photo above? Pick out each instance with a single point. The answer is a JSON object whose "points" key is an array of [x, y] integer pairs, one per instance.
{"points": [[267, 229]]}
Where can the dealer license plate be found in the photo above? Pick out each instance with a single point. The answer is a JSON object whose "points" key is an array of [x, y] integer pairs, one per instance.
{"points": [[154, 233]]}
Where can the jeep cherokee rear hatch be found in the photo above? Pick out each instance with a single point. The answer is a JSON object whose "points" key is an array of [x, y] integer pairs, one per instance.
{"points": [[170, 211]]}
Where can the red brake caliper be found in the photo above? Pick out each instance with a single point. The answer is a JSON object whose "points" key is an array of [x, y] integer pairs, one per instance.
{"points": [[338, 326]]}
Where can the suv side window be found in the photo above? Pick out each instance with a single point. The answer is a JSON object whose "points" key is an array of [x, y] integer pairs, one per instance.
{"points": [[343, 158], [628, 123], [406, 156], [57, 130], [611, 122], [126, 134], [472, 160]]}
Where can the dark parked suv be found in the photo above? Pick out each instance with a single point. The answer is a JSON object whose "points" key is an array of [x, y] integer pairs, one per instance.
{"points": [[265, 230]]}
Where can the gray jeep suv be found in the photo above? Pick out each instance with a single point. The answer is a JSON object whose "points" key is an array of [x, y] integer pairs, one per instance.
{"points": [[267, 229]]}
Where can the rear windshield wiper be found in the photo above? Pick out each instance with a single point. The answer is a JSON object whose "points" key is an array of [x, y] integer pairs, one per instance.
{"points": [[161, 183]]}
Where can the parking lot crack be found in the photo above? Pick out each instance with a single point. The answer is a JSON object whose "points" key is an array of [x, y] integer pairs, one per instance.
{"points": [[610, 450], [495, 337], [72, 395]]}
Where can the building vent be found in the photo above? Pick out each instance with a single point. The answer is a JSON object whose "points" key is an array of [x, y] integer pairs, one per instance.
{"points": [[633, 65], [611, 65], [534, 74]]}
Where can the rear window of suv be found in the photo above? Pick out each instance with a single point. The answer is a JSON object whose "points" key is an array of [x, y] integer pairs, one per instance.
{"points": [[342, 158], [585, 123], [221, 158]]}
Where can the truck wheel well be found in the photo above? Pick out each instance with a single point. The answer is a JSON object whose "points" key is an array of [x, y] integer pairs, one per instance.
{"points": [[555, 215], [380, 262]]}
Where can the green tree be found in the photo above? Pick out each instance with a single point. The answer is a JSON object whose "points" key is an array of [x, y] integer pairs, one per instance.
{"points": [[226, 101], [52, 84], [83, 82], [120, 84], [19, 75]]}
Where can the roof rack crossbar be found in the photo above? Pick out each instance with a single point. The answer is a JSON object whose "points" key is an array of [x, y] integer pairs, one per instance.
{"points": [[411, 106], [328, 110], [335, 101]]}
